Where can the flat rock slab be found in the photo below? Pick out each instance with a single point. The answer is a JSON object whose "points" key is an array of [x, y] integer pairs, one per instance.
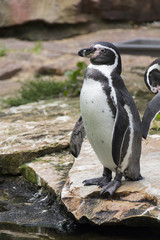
{"points": [[133, 200], [49, 172], [33, 130]]}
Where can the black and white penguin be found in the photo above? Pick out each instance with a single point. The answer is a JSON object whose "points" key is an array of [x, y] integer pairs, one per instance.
{"points": [[152, 81], [109, 118], [152, 76]]}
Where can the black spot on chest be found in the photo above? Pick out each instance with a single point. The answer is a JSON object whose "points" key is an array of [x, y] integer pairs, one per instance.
{"points": [[98, 76]]}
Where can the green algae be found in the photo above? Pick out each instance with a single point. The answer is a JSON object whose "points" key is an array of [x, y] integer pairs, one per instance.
{"points": [[28, 173]]}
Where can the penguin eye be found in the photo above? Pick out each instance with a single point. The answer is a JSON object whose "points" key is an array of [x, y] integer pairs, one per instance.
{"points": [[103, 50]]}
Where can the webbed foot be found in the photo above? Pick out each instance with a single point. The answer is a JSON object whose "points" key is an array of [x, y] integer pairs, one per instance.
{"points": [[102, 181], [112, 186]]}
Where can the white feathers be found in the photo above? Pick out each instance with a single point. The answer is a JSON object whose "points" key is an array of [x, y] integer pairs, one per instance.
{"points": [[151, 68], [98, 121], [97, 115], [106, 71]]}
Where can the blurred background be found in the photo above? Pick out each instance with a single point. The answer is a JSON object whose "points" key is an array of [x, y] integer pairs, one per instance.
{"points": [[40, 40]]}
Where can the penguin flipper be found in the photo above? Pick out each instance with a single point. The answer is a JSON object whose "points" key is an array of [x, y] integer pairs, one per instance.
{"points": [[77, 136], [120, 135], [151, 111]]}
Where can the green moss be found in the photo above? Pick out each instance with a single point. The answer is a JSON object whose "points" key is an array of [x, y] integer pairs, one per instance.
{"points": [[28, 173], [59, 167]]}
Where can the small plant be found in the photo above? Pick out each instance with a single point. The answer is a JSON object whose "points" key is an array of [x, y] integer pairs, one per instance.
{"points": [[75, 78], [3, 51], [40, 89], [155, 129], [158, 117], [37, 47]]}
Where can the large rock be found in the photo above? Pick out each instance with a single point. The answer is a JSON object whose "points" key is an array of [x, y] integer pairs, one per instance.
{"points": [[15, 12], [144, 10], [33, 130], [52, 11], [135, 203]]}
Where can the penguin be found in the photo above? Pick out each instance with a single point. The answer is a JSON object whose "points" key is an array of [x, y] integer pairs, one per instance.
{"points": [[109, 118], [152, 76], [152, 81]]}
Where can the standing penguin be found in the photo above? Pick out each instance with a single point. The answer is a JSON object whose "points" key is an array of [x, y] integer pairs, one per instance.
{"points": [[152, 81], [109, 118]]}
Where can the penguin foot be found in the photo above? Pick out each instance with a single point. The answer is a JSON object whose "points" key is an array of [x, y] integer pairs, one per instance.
{"points": [[110, 188], [102, 181]]}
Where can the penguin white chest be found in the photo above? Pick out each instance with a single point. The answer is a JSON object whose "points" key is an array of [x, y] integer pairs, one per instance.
{"points": [[98, 121]]}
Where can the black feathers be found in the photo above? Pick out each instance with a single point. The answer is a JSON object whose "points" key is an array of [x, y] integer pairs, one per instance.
{"points": [[78, 134], [152, 110]]}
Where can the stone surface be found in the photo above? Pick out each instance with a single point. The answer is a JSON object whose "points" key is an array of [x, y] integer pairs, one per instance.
{"points": [[25, 208], [33, 130], [133, 200], [52, 11], [123, 10], [9, 70], [16, 12], [49, 172], [61, 55]]}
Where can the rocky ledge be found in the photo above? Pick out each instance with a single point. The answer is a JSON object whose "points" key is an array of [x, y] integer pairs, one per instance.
{"points": [[33, 130], [35, 142], [135, 203]]}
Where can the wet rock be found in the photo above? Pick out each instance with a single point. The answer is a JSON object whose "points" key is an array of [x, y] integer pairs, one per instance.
{"points": [[133, 200], [24, 208], [33, 130]]}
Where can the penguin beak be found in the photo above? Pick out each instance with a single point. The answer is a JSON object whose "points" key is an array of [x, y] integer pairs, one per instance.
{"points": [[86, 52]]}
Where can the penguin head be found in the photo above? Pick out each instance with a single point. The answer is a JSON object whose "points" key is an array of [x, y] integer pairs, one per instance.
{"points": [[103, 53], [152, 76]]}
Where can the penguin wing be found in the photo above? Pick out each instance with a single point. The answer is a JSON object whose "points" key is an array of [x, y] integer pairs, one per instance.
{"points": [[151, 111], [121, 133], [77, 136]]}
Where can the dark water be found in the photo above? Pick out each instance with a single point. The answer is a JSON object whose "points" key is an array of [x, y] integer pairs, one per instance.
{"points": [[86, 233]]}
